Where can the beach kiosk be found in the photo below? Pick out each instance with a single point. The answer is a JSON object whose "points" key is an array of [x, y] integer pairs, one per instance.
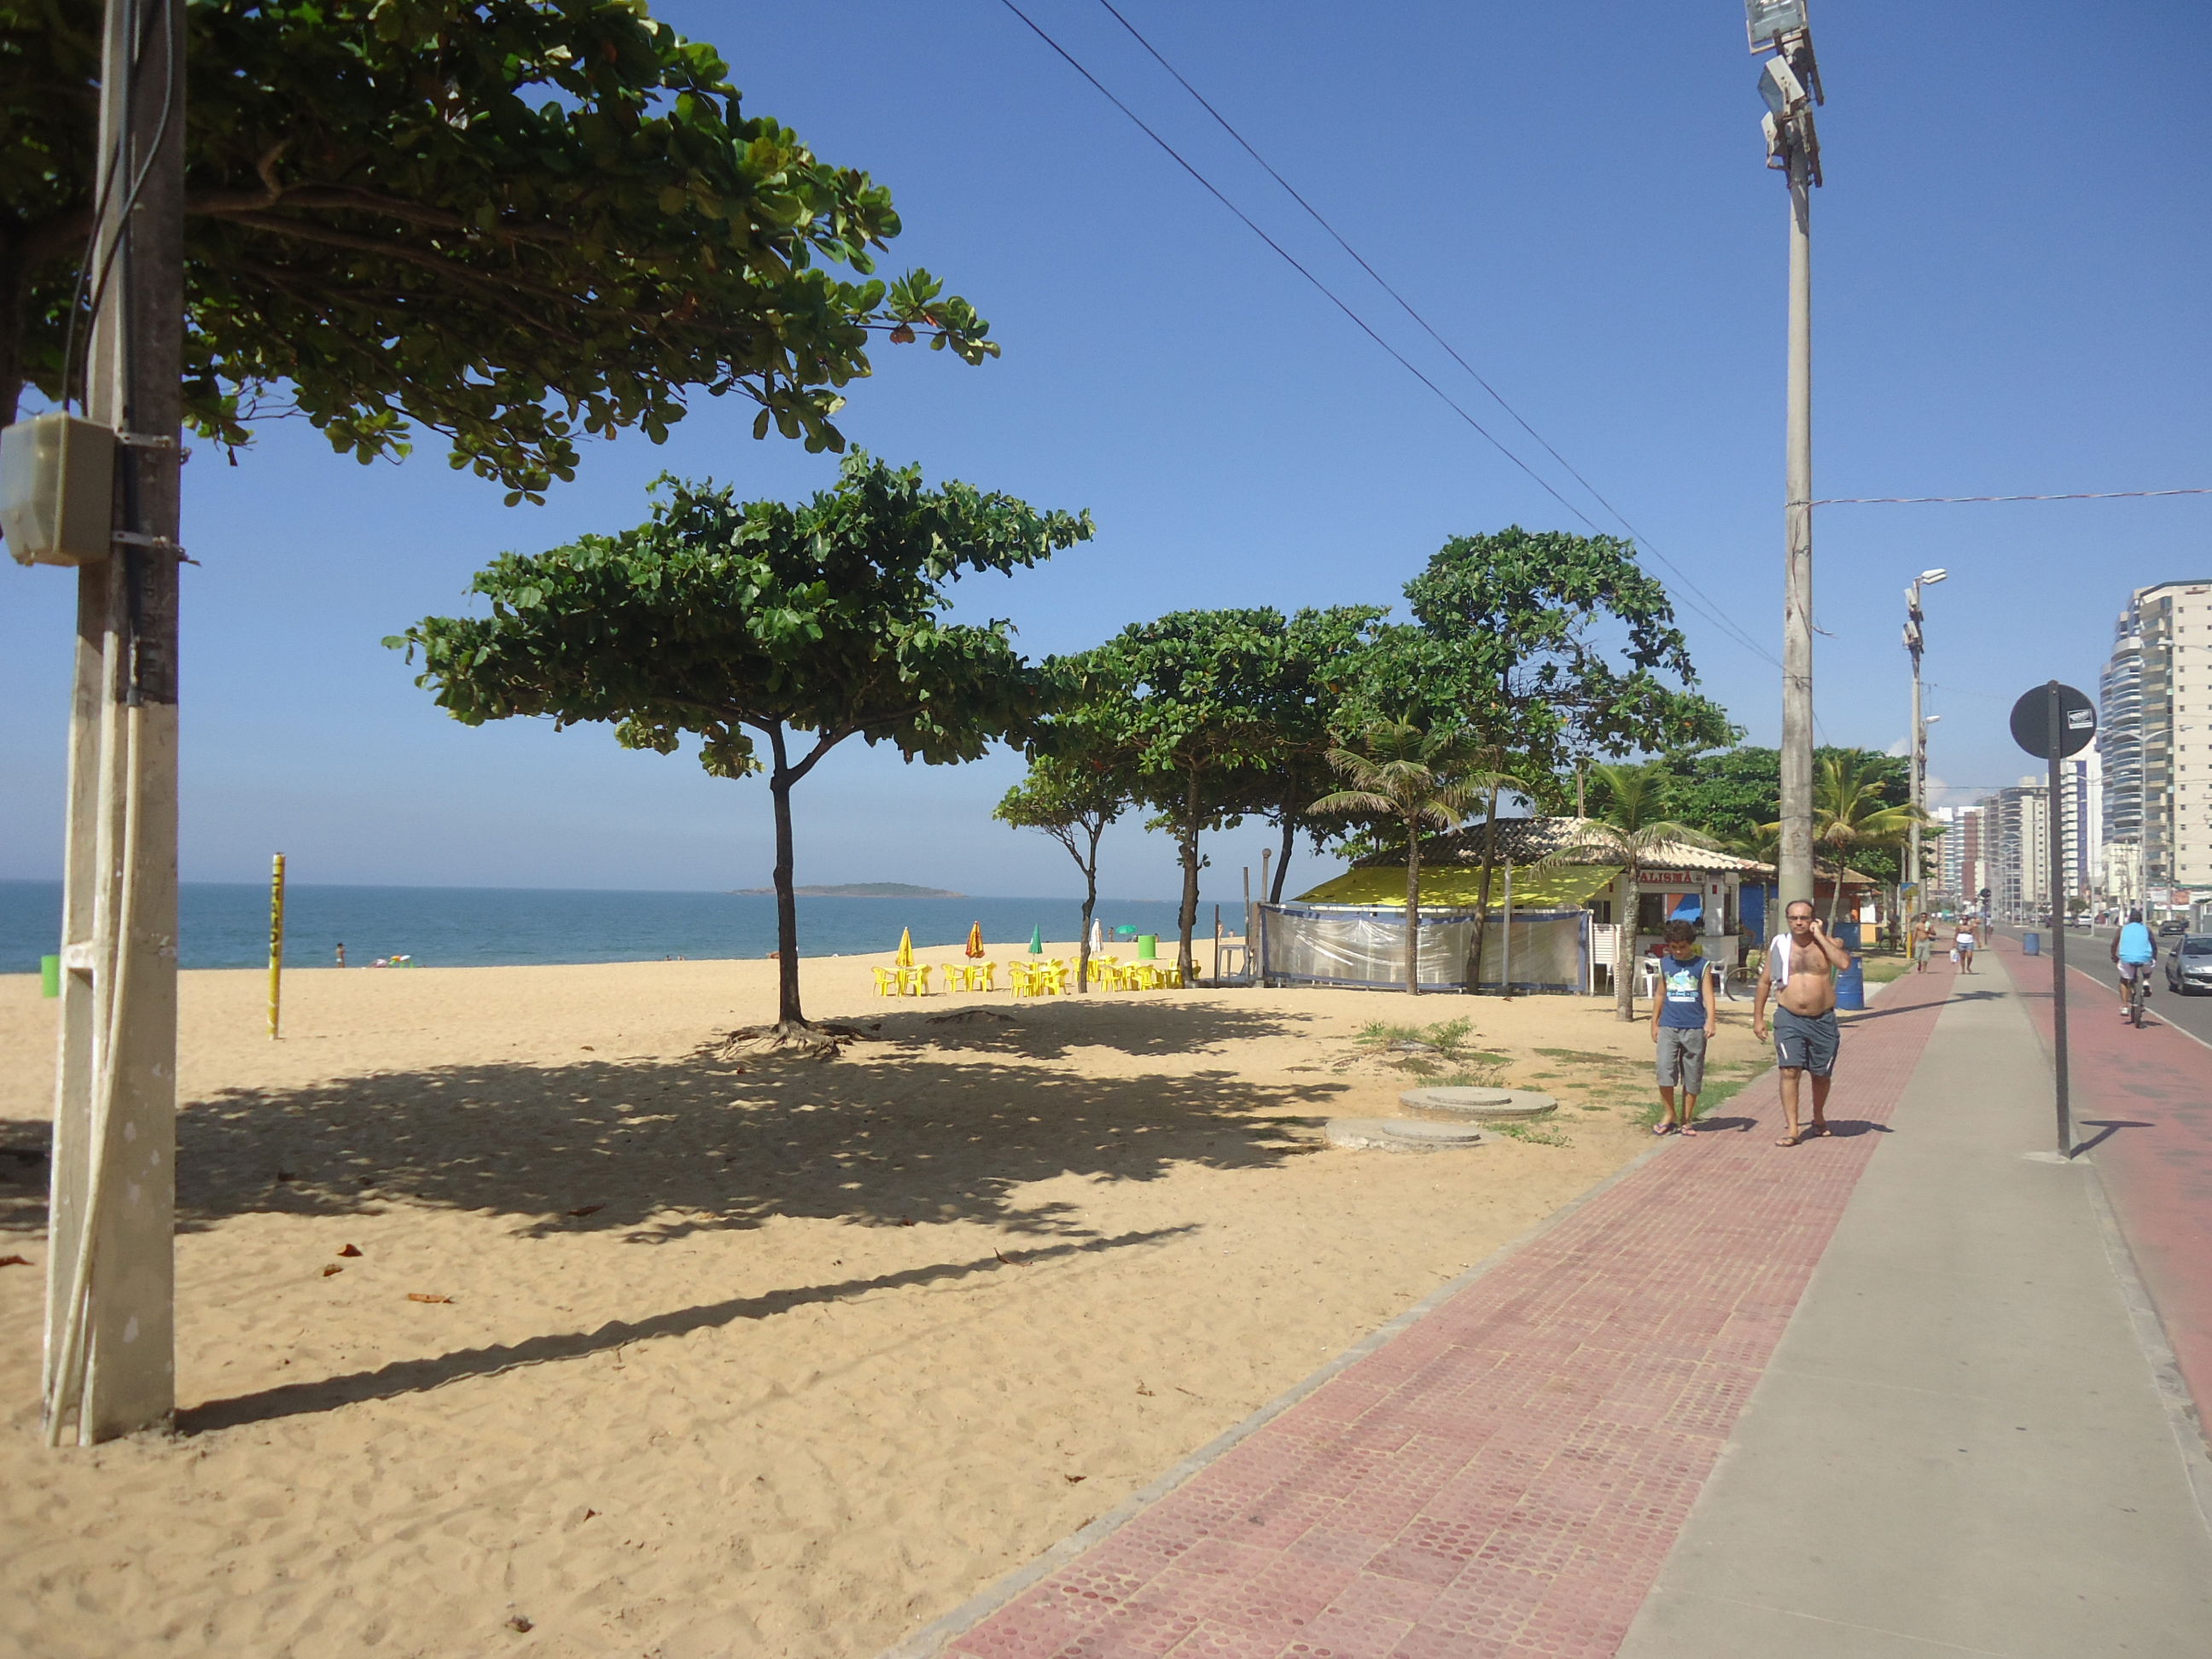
{"points": [[1557, 927]]}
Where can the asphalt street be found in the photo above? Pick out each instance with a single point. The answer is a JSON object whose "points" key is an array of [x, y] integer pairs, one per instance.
{"points": [[2091, 951]]}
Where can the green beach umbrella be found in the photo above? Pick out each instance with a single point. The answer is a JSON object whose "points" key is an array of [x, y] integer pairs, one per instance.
{"points": [[1036, 941]]}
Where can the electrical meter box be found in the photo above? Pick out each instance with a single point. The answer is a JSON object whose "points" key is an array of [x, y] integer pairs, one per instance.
{"points": [[58, 489]]}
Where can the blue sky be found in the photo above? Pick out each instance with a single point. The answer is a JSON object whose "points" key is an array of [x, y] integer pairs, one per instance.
{"points": [[2010, 297]]}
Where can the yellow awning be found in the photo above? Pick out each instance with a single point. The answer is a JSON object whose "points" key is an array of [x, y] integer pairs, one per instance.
{"points": [[1459, 887]]}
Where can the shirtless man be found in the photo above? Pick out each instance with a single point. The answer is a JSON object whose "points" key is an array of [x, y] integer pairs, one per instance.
{"points": [[1800, 974]]}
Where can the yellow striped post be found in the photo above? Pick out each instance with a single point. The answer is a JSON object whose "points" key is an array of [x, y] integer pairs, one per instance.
{"points": [[276, 941]]}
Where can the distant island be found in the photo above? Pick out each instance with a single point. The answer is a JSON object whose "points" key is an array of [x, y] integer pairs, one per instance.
{"points": [[859, 889]]}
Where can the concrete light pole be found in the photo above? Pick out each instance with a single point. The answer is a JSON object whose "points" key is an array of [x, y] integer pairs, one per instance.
{"points": [[1789, 82], [1913, 643]]}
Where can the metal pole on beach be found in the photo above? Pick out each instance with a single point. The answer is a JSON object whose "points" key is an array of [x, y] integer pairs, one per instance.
{"points": [[276, 942]]}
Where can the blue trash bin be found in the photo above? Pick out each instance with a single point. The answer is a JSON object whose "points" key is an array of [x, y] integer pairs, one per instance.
{"points": [[1850, 985], [2031, 943]]}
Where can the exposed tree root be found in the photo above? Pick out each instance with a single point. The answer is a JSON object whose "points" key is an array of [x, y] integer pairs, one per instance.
{"points": [[789, 1040]]}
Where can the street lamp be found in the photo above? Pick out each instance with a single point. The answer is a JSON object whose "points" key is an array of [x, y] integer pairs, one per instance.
{"points": [[1913, 641], [1790, 82]]}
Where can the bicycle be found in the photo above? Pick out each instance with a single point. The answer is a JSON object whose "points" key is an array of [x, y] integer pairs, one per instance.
{"points": [[2138, 995]]}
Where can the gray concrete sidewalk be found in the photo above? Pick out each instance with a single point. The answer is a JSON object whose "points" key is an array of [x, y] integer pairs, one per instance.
{"points": [[1962, 1445]]}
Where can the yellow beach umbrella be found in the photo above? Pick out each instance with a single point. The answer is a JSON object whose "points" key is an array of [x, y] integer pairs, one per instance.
{"points": [[906, 947], [975, 941]]}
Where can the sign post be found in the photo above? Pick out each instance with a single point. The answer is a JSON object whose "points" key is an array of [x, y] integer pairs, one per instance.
{"points": [[2054, 721]]}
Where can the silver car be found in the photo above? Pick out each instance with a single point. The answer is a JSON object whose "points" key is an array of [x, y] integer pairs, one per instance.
{"points": [[2189, 964]]}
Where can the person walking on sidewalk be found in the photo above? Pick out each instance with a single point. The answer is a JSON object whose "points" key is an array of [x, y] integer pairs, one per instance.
{"points": [[1683, 1019], [2134, 951], [1962, 944], [1800, 974], [1924, 941]]}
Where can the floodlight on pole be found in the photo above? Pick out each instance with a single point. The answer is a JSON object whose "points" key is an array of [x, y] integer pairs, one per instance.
{"points": [[1936, 576]]}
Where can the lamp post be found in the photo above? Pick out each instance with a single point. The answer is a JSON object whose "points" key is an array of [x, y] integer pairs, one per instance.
{"points": [[1913, 643], [1789, 82]]}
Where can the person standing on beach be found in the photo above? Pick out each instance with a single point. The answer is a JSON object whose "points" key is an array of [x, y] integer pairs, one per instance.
{"points": [[1800, 974], [1683, 1019]]}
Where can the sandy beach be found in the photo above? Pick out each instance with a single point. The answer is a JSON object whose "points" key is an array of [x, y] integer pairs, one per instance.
{"points": [[737, 1356]]}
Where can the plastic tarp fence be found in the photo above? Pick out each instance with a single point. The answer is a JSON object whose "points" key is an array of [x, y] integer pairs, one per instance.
{"points": [[1349, 946]]}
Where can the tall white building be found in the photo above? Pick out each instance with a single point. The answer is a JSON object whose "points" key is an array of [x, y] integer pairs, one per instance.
{"points": [[2156, 744]]}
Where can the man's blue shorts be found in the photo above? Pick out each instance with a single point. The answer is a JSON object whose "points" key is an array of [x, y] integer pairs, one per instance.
{"points": [[1805, 1042]]}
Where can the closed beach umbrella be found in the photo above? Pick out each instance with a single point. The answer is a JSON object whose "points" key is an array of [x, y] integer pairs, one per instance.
{"points": [[906, 947], [975, 941], [1036, 941], [1098, 936]]}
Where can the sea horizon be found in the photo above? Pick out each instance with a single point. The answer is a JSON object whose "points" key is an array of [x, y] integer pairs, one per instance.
{"points": [[226, 924]]}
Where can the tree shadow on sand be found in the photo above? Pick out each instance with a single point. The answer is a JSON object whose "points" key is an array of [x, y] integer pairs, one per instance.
{"points": [[938, 1123]]}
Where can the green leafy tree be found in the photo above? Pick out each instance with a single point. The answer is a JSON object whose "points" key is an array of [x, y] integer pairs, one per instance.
{"points": [[1733, 792], [510, 221], [1417, 780], [1304, 683], [1550, 647], [1072, 795], [739, 622], [1851, 817], [1189, 703], [1630, 830]]}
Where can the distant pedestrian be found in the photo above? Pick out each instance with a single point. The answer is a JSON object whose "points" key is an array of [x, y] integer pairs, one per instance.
{"points": [[1962, 945], [1923, 942], [1683, 1019], [1799, 973], [341, 953]]}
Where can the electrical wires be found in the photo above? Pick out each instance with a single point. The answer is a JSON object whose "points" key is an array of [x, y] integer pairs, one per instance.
{"points": [[1693, 596]]}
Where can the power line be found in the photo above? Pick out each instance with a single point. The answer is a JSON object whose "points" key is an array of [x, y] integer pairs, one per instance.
{"points": [[1727, 627], [1927, 500], [1735, 634]]}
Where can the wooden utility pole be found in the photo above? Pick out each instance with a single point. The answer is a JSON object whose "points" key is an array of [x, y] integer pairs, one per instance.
{"points": [[109, 1353]]}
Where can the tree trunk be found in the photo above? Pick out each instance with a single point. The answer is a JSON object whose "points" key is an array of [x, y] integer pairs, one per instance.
{"points": [[1186, 962], [1090, 905], [787, 1011], [1835, 889], [1413, 908], [1282, 864], [1624, 960], [1482, 894]]}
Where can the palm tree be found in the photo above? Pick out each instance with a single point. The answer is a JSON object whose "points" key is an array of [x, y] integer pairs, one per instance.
{"points": [[1422, 780], [1848, 813], [1633, 834]]}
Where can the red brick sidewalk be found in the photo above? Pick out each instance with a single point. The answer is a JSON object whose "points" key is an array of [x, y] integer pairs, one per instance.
{"points": [[1507, 1474], [2145, 1098]]}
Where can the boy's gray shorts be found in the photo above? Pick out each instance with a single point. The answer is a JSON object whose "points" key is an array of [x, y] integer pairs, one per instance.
{"points": [[1682, 1059]]}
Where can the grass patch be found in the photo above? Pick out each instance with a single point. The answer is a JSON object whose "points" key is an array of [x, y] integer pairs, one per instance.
{"points": [[1592, 1056], [1881, 972], [1437, 1055], [1714, 1095], [1534, 1133]]}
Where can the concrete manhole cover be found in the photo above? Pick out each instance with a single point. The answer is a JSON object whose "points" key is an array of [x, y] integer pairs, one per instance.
{"points": [[1480, 1105], [1401, 1135]]}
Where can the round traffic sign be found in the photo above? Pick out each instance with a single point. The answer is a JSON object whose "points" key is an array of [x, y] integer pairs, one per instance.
{"points": [[2031, 722]]}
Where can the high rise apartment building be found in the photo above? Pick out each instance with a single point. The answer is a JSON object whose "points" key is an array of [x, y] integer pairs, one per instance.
{"points": [[2155, 740]]}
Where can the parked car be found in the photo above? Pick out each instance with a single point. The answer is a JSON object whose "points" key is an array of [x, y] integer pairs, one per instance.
{"points": [[2189, 966]]}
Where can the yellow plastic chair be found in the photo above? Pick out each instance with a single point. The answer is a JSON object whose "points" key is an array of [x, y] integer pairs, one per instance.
{"points": [[956, 977], [914, 981], [1019, 980], [1171, 977], [1055, 977], [983, 976], [887, 984]]}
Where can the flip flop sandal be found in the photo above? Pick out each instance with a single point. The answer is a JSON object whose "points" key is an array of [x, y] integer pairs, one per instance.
{"points": [[1789, 1141]]}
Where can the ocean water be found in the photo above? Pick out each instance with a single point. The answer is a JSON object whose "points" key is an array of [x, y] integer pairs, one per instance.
{"points": [[227, 925]]}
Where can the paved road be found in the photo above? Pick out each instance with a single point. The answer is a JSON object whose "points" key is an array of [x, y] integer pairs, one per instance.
{"points": [[2091, 952]]}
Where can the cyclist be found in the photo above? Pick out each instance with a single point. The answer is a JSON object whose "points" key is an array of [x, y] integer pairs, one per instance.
{"points": [[2134, 951]]}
